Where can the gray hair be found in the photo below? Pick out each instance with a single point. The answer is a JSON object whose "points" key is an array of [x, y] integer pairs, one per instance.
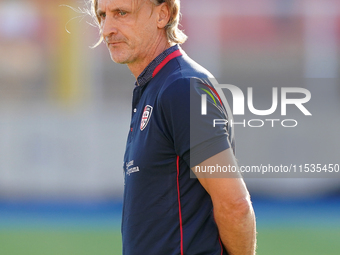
{"points": [[173, 33]]}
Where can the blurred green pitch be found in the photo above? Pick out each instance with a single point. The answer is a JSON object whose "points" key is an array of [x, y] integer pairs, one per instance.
{"points": [[60, 242], [271, 241]]}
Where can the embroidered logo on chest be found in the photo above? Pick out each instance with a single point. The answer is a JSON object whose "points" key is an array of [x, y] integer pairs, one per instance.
{"points": [[146, 117]]}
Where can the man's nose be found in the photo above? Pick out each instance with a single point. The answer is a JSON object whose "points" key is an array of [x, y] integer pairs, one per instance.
{"points": [[109, 27]]}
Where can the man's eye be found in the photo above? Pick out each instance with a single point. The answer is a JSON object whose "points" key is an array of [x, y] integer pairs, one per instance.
{"points": [[102, 15], [122, 13]]}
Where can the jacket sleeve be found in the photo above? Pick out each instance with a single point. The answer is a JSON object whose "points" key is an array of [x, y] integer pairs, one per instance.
{"points": [[194, 136]]}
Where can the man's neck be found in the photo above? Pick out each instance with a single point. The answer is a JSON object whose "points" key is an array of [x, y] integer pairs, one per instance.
{"points": [[137, 67]]}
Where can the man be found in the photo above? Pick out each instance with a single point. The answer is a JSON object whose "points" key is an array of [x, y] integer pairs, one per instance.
{"points": [[165, 211]]}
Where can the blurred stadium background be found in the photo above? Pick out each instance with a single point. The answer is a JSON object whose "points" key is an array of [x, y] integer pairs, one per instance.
{"points": [[64, 116]]}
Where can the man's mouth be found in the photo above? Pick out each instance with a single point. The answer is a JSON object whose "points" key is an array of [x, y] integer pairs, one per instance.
{"points": [[113, 43]]}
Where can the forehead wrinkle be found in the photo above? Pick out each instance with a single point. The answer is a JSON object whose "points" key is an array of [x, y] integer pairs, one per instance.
{"points": [[110, 5], [134, 3]]}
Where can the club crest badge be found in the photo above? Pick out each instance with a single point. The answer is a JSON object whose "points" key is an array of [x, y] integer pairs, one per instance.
{"points": [[146, 117]]}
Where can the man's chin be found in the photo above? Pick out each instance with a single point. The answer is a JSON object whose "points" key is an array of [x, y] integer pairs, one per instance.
{"points": [[119, 60]]}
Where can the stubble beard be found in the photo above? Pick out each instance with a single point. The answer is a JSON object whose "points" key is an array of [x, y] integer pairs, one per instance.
{"points": [[120, 55]]}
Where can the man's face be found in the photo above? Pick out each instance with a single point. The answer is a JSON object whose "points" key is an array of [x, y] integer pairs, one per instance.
{"points": [[129, 28]]}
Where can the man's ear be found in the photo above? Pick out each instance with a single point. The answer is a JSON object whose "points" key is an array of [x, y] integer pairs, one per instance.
{"points": [[163, 15]]}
